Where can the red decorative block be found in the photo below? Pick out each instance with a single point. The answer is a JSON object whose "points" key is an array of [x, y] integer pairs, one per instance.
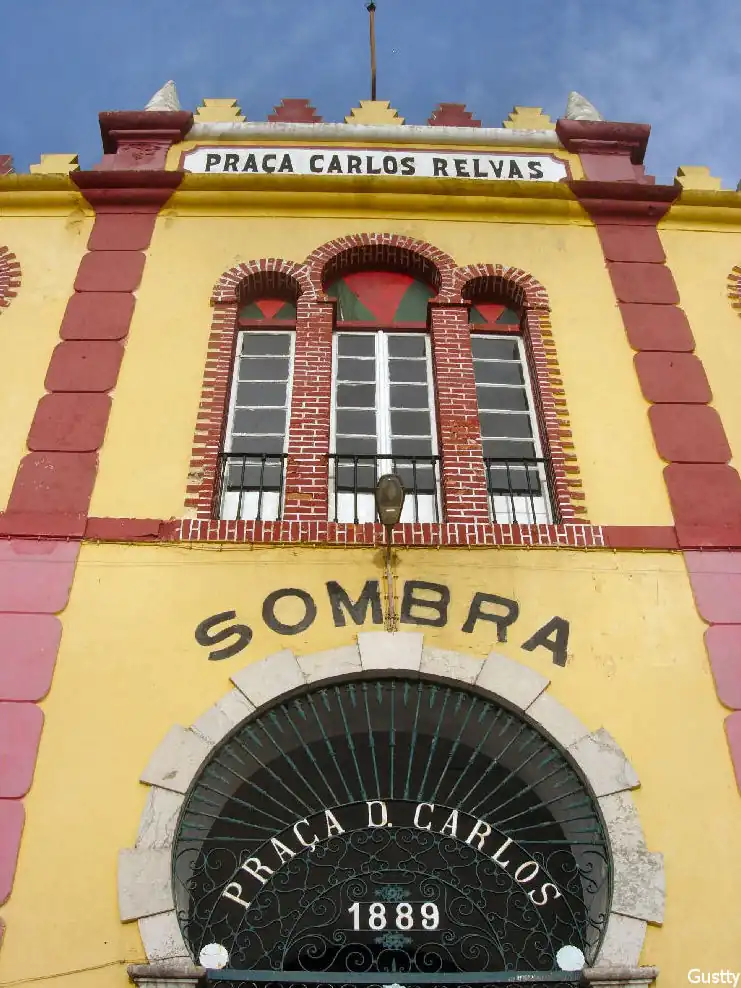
{"points": [[20, 731], [28, 654], [98, 316], [12, 817], [6, 164], [657, 327], [704, 495], [54, 482], [36, 576], [294, 111], [84, 366], [723, 642], [452, 115], [110, 271], [641, 282], [631, 243], [689, 434], [716, 584], [70, 423], [672, 378], [122, 231]]}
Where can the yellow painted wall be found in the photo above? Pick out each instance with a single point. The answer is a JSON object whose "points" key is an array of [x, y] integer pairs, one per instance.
{"points": [[49, 246], [129, 668], [701, 261], [144, 463]]}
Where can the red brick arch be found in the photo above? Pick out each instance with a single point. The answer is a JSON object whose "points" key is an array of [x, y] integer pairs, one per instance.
{"points": [[497, 282], [10, 277], [362, 251], [267, 275]]}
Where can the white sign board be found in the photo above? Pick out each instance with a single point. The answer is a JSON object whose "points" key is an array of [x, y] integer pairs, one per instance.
{"points": [[372, 161]]}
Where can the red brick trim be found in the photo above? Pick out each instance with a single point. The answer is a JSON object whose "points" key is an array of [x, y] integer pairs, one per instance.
{"points": [[270, 275], [734, 288], [479, 281], [361, 251], [10, 277]]}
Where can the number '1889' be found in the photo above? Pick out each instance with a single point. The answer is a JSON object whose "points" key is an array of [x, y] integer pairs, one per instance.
{"points": [[380, 915]]}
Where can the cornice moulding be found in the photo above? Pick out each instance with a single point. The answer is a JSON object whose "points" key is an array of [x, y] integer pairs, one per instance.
{"points": [[340, 133]]}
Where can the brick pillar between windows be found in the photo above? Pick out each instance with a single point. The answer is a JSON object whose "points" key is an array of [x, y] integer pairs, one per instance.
{"points": [[307, 476], [463, 476]]}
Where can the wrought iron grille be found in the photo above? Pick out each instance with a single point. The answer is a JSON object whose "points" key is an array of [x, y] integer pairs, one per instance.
{"points": [[353, 482], [250, 485], [255, 979], [520, 491], [389, 828]]}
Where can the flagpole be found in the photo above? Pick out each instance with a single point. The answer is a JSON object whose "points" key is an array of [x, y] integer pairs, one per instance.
{"points": [[371, 8]]}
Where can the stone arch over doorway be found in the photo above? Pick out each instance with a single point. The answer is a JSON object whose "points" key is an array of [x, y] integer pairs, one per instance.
{"points": [[145, 871]]}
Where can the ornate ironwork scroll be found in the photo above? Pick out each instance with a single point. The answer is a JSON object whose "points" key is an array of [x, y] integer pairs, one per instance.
{"points": [[395, 827]]}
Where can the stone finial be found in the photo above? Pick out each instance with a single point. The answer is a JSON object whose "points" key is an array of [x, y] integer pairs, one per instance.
{"points": [[378, 112], [219, 111], [696, 177], [528, 118], [294, 111], [165, 98], [56, 164], [579, 108], [452, 115]]}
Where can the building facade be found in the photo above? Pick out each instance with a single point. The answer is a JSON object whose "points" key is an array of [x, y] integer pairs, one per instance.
{"points": [[248, 733]]}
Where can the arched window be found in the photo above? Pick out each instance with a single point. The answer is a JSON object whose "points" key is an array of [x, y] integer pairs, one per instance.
{"points": [[252, 469], [517, 468], [383, 406]]}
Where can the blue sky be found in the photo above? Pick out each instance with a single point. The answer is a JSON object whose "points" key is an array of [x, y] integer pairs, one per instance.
{"points": [[675, 65]]}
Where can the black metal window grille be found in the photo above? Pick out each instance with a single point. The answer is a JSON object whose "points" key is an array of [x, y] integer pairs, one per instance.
{"points": [[252, 465], [354, 480], [383, 421], [518, 475]]}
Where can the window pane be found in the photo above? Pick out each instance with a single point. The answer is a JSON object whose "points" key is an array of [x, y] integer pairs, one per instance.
{"points": [[497, 372], [256, 444], [503, 449], [505, 426], [266, 343], [513, 399], [361, 473], [408, 370], [519, 480], [351, 421], [260, 420], [263, 369], [409, 396], [256, 393], [494, 347], [411, 447], [406, 346], [355, 445], [410, 423], [244, 473], [356, 395], [356, 345], [356, 370]]}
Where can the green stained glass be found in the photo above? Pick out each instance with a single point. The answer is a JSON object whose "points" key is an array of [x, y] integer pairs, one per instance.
{"points": [[349, 306], [413, 305]]}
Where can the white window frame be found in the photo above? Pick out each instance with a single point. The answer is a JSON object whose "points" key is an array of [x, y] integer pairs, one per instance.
{"points": [[527, 385], [383, 405], [232, 408]]}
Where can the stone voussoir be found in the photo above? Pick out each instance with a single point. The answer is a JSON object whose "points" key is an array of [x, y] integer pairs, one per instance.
{"points": [[602, 760], [390, 650], [276, 674], [343, 661], [161, 937], [513, 681], [225, 714], [159, 819], [176, 760], [450, 665], [143, 883]]}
